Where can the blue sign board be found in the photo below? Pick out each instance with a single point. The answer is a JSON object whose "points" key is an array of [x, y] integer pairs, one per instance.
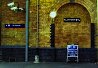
{"points": [[72, 50], [14, 25]]}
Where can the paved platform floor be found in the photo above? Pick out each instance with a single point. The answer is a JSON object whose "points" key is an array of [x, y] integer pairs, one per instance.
{"points": [[47, 65]]}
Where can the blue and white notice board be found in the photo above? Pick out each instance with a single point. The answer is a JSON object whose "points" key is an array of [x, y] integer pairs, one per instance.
{"points": [[72, 51]]}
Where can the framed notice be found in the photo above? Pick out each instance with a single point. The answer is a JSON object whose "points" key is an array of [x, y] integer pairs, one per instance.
{"points": [[72, 51]]}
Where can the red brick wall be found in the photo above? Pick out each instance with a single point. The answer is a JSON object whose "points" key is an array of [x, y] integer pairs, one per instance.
{"points": [[12, 36], [17, 36]]}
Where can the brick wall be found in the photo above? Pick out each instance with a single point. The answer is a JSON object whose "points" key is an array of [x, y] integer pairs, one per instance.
{"points": [[12, 36], [17, 36]]}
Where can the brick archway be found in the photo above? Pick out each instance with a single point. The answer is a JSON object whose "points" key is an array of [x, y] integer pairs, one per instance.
{"points": [[73, 32]]}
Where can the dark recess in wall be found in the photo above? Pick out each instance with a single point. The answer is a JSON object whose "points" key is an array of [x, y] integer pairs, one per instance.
{"points": [[92, 35]]}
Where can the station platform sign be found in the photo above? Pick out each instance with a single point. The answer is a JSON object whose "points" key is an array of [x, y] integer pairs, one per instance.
{"points": [[72, 52]]}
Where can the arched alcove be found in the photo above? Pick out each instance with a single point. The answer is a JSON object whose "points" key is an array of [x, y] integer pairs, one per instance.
{"points": [[73, 32]]}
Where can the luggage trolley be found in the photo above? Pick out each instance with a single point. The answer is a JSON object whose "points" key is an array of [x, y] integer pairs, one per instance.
{"points": [[72, 52]]}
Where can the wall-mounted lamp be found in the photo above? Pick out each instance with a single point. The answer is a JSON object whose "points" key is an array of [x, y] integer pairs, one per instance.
{"points": [[14, 7], [52, 29], [53, 14]]}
